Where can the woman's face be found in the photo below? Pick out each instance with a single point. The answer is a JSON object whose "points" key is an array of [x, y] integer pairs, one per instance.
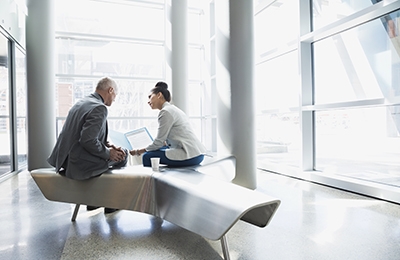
{"points": [[155, 100]]}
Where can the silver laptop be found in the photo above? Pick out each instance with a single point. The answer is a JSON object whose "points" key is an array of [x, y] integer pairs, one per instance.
{"points": [[135, 139]]}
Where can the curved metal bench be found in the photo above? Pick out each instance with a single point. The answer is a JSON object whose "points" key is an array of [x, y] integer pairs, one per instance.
{"points": [[186, 197]]}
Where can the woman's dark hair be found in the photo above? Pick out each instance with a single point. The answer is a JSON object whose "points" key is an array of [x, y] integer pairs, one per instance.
{"points": [[163, 88]]}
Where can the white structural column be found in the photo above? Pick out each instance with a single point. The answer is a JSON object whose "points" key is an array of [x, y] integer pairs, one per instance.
{"points": [[179, 53], [222, 79], [40, 81], [242, 91]]}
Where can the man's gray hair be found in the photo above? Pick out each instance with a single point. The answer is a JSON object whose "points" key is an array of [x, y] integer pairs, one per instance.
{"points": [[106, 83]]}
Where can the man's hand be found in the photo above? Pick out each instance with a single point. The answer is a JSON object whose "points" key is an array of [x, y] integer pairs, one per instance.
{"points": [[117, 154], [110, 145]]}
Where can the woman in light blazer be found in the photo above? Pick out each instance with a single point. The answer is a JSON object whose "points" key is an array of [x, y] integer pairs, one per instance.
{"points": [[176, 143]]}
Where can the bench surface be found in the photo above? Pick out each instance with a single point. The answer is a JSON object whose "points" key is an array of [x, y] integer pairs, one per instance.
{"points": [[191, 198]]}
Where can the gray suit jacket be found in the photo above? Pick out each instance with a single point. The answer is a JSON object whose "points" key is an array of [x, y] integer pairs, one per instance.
{"points": [[81, 147]]}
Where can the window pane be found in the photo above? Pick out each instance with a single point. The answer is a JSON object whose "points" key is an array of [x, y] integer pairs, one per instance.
{"points": [[278, 138], [361, 63], [109, 58], [195, 31], [5, 153], [196, 4], [271, 31], [21, 97], [277, 83], [128, 44], [329, 11], [277, 99], [131, 101], [196, 62], [128, 19], [360, 143]]}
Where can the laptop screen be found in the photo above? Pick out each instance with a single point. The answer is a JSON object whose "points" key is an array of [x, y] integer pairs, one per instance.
{"points": [[139, 138], [136, 139]]}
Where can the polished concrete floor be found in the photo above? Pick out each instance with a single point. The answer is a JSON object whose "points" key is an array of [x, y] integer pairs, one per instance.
{"points": [[313, 222]]}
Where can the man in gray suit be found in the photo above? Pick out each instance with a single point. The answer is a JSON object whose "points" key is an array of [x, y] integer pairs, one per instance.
{"points": [[82, 150]]}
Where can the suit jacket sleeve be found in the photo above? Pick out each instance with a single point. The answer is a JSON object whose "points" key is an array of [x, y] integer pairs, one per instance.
{"points": [[165, 122]]}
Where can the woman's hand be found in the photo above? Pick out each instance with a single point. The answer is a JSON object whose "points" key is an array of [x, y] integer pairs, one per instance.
{"points": [[137, 152]]}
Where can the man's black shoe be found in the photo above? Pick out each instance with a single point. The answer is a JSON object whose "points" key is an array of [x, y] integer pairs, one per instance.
{"points": [[109, 210], [89, 208]]}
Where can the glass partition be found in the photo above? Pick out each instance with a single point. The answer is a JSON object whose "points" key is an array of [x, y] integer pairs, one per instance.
{"points": [[329, 11], [112, 58], [362, 143], [21, 105], [359, 64], [5, 130], [128, 19], [277, 106], [276, 27], [129, 41]]}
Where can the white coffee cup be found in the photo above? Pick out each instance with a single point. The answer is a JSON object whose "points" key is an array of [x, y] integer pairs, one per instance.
{"points": [[155, 164]]}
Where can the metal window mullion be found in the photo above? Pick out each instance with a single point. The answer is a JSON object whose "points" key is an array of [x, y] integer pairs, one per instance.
{"points": [[13, 109], [306, 89], [365, 15]]}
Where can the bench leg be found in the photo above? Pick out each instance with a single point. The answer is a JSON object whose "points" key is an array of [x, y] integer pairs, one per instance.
{"points": [[75, 212], [225, 249]]}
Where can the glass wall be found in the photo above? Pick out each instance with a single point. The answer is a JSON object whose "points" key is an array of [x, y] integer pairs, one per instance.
{"points": [[326, 12], [5, 130], [13, 136], [127, 41], [326, 79], [357, 72], [13, 99], [126, 19], [328, 92], [277, 83], [20, 108], [361, 64]]}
